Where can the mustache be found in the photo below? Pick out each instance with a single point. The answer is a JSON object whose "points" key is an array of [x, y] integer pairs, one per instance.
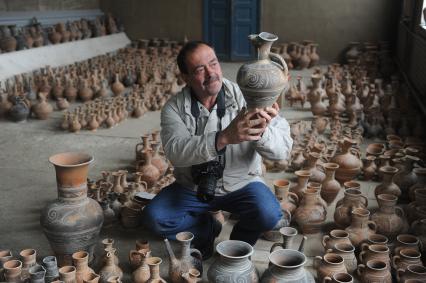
{"points": [[211, 79]]}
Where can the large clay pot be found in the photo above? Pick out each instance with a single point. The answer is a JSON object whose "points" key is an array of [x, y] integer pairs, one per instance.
{"points": [[389, 218], [406, 178], [351, 200], [263, 80], [330, 187], [349, 163], [387, 186], [328, 265], [421, 181], [72, 222], [286, 266], [361, 227], [234, 264], [374, 271], [311, 213]]}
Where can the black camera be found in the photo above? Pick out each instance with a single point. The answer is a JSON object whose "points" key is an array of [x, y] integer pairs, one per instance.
{"points": [[205, 175]]}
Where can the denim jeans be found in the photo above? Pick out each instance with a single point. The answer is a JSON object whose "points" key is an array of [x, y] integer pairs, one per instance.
{"points": [[176, 209]]}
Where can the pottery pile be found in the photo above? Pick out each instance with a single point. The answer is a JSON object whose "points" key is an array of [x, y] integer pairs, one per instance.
{"points": [[13, 38]]}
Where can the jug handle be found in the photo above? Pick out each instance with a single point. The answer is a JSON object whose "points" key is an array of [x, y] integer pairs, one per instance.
{"points": [[360, 269], [401, 212], [395, 259], [274, 246], [278, 60], [315, 261], [294, 196], [196, 253], [365, 200], [361, 255], [327, 279], [325, 239], [372, 225], [399, 274]]}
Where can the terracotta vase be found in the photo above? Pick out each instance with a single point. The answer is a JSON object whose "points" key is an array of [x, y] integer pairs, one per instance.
{"points": [[42, 109], [330, 187], [421, 181], [347, 252], [316, 96], [302, 180], [387, 186], [406, 178], [154, 270], [328, 265], [361, 227], [335, 237], [375, 251], [389, 218], [369, 168], [157, 160], [72, 222], [287, 199], [234, 264], [304, 59], [81, 263], [12, 270], [316, 174], [349, 164], [67, 274], [405, 258], [351, 200], [141, 274], [110, 268], [189, 257], [314, 56], [374, 271], [117, 87], [150, 173], [262, 81], [311, 213], [286, 265]]}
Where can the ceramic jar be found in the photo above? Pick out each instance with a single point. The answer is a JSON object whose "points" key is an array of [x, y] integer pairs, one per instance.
{"points": [[374, 271], [406, 241], [339, 278], [234, 264], [421, 182], [389, 218], [330, 187], [51, 266], [335, 237], [311, 213], [351, 200], [349, 163], [417, 272], [81, 263], [286, 266], [262, 81], [110, 268], [12, 271], [37, 273], [328, 265], [406, 178], [405, 258], [347, 252], [67, 274], [302, 180], [374, 251], [387, 186], [361, 227], [72, 222], [287, 199]]}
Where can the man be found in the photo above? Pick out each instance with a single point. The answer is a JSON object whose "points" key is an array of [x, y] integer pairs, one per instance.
{"points": [[206, 131]]}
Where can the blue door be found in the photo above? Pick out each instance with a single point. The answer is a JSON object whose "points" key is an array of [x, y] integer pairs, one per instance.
{"points": [[227, 24]]}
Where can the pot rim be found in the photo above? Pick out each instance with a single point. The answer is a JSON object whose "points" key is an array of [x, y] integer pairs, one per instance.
{"points": [[284, 251], [242, 245], [71, 159]]}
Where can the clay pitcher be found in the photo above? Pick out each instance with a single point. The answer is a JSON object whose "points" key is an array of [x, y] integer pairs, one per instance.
{"points": [[390, 218], [330, 187], [302, 181], [42, 109], [263, 80], [311, 213], [335, 237], [288, 234], [316, 174], [81, 263], [349, 164], [406, 178], [150, 173], [375, 251], [73, 216], [110, 268], [387, 186], [339, 278], [374, 271], [142, 274], [417, 272], [347, 252], [234, 264], [351, 200], [190, 257], [361, 227], [328, 265], [288, 200]]}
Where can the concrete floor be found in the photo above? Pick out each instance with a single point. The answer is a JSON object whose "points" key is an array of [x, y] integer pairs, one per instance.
{"points": [[28, 180]]}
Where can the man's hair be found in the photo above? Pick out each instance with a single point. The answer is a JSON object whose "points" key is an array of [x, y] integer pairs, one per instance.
{"points": [[189, 47]]}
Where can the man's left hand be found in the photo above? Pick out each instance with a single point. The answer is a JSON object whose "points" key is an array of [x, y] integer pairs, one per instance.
{"points": [[269, 112]]}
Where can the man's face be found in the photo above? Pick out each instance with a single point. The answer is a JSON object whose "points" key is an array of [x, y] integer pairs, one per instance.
{"points": [[204, 72]]}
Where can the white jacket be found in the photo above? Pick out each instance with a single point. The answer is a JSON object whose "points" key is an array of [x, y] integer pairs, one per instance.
{"points": [[243, 161]]}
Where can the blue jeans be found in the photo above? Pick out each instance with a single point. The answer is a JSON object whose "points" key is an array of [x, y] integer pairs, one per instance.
{"points": [[176, 209]]}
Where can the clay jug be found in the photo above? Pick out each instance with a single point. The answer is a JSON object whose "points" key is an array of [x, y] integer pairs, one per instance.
{"points": [[154, 270], [157, 160], [421, 182], [316, 96], [67, 274], [419, 229], [234, 264], [28, 259], [328, 265], [150, 173], [316, 174], [5, 255], [417, 272], [369, 167], [304, 59], [405, 258], [376, 251], [107, 246], [339, 278], [361, 227], [20, 110], [117, 87], [287, 199], [387, 186], [110, 268], [374, 271], [12, 271], [85, 92], [51, 266], [311, 213], [73, 214], [263, 80], [351, 200], [189, 258], [302, 180], [285, 265], [330, 187], [389, 218], [37, 273], [42, 109], [314, 56], [298, 159], [141, 274], [349, 164], [288, 234], [335, 237], [347, 252], [191, 276], [406, 241], [81, 262], [406, 178]]}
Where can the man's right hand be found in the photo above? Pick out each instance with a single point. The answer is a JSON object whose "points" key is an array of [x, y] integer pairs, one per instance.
{"points": [[246, 126]]}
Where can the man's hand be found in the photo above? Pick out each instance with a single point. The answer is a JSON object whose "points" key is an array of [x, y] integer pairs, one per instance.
{"points": [[270, 112]]}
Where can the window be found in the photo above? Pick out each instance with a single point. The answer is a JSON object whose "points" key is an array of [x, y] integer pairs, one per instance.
{"points": [[423, 16]]}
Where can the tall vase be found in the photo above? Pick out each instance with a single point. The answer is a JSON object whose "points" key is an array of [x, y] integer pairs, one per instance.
{"points": [[349, 164], [330, 187], [72, 222], [361, 227], [352, 199], [262, 81], [406, 178], [312, 166], [421, 182], [302, 181], [389, 219], [387, 186]]}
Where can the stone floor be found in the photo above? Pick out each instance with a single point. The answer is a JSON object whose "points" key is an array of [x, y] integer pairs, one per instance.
{"points": [[28, 180]]}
